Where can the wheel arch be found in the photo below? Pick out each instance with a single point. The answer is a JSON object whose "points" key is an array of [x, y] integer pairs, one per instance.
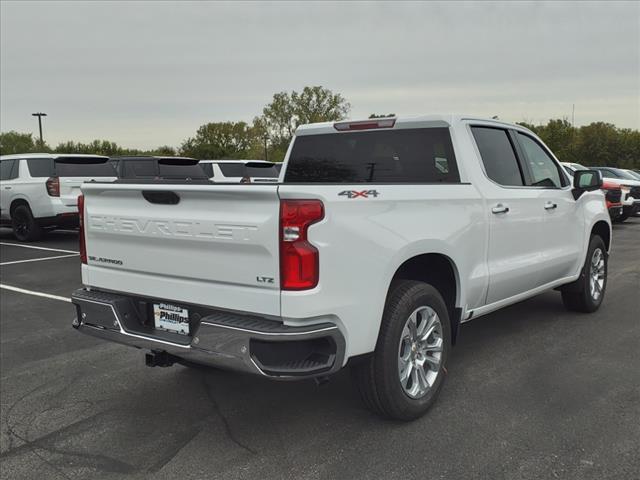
{"points": [[16, 202], [603, 230], [440, 271]]}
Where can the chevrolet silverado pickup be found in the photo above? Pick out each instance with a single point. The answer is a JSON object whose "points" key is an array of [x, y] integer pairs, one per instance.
{"points": [[380, 238]]}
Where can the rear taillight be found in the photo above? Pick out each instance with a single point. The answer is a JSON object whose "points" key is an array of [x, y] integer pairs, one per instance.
{"points": [[53, 186], [365, 124], [299, 260], [83, 246]]}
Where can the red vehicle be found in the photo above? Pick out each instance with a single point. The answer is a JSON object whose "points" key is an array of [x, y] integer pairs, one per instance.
{"points": [[613, 197]]}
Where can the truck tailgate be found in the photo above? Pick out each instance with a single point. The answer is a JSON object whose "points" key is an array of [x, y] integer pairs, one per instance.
{"points": [[212, 245], [70, 188]]}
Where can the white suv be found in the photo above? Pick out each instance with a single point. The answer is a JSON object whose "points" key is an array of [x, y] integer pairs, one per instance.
{"points": [[241, 171], [40, 190]]}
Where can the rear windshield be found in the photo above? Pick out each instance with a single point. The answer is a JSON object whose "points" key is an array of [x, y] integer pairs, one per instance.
{"points": [[232, 169], [422, 155], [208, 169], [624, 174], [249, 169], [258, 169], [70, 167], [182, 169], [162, 168], [138, 168], [84, 167]]}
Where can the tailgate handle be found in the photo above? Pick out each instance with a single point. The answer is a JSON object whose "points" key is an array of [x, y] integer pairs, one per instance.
{"points": [[164, 198]]}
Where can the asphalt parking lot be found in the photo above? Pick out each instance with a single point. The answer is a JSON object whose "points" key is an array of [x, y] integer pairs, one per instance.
{"points": [[533, 392]]}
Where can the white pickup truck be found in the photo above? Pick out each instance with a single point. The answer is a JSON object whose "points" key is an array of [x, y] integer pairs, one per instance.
{"points": [[379, 239]]}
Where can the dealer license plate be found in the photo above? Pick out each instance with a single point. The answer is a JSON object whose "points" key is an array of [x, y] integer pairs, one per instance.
{"points": [[171, 318]]}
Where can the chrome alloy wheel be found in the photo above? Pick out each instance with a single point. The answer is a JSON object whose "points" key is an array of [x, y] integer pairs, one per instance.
{"points": [[420, 352], [596, 274]]}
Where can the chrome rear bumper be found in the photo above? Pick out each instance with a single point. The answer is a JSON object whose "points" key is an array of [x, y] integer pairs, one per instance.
{"points": [[219, 339]]}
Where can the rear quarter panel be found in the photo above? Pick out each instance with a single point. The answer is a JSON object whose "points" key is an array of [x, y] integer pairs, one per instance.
{"points": [[363, 241]]}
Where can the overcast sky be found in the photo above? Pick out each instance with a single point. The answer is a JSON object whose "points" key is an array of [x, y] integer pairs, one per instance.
{"points": [[149, 73]]}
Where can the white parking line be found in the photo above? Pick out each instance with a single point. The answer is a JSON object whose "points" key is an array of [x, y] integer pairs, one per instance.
{"points": [[37, 294], [39, 259], [37, 248]]}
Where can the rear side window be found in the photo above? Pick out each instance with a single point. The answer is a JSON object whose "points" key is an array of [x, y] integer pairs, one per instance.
{"points": [[498, 156], [544, 171], [422, 155], [84, 167], [40, 167]]}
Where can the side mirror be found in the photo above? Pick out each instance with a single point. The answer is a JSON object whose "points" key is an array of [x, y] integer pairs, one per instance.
{"points": [[586, 181]]}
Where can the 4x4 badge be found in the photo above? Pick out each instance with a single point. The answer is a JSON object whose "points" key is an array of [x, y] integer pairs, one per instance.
{"points": [[362, 193]]}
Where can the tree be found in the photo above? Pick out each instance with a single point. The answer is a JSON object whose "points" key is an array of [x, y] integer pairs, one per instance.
{"points": [[530, 126], [629, 156], [221, 140], [287, 111], [560, 136], [164, 150], [598, 144], [14, 142], [96, 147]]}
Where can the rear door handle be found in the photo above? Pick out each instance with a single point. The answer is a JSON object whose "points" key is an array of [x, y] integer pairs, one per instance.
{"points": [[7, 188], [550, 206], [500, 208]]}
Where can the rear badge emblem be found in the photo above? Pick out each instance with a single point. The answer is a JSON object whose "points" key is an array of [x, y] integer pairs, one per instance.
{"points": [[356, 193]]}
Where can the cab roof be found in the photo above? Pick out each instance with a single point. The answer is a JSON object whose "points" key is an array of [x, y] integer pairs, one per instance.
{"points": [[405, 121]]}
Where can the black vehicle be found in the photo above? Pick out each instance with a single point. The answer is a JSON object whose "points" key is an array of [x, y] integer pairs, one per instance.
{"points": [[158, 168]]}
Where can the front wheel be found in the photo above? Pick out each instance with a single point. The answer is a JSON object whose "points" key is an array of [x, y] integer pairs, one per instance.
{"points": [[586, 293], [403, 376]]}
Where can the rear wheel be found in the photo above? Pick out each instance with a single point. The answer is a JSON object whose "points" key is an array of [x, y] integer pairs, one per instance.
{"points": [[403, 376], [586, 293], [25, 227]]}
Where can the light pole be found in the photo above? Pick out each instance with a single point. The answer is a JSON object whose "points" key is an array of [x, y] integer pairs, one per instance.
{"points": [[266, 153], [40, 115]]}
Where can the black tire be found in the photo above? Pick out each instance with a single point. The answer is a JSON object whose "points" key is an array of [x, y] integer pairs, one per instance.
{"points": [[25, 227], [377, 377], [579, 296], [622, 217]]}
